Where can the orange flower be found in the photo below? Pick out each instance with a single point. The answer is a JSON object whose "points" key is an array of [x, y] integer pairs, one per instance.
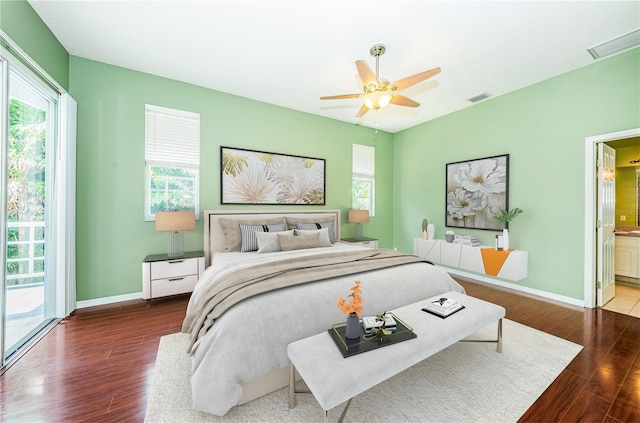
{"points": [[355, 305]]}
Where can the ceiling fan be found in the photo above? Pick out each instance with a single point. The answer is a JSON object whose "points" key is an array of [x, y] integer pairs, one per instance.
{"points": [[377, 92]]}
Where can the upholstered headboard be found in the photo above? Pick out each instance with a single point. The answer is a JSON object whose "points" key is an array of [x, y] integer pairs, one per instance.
{"points": [[214, 238]]}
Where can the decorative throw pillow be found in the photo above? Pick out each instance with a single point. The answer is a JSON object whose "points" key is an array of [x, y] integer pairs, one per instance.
{"points": [[268, 241], [288, 243], [248, 234], [318, 225], [323, 240], [231, 230]]}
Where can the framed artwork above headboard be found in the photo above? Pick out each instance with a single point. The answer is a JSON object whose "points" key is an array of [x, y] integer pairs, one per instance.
{"points": [[259, 177]]}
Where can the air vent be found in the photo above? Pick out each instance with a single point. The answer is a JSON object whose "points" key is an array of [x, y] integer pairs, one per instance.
{"points": [[622, 43], [479, 97]]}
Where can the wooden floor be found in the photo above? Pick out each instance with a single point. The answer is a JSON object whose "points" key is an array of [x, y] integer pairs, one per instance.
{"points": [[96, 366]]}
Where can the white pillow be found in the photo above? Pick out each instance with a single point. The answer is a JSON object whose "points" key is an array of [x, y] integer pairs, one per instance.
{"points": [[323, 241], [248, 232], [268, 241]]}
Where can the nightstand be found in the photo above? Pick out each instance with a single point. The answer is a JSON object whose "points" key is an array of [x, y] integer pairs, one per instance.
{"points": [[163, 275], [364, 242]]}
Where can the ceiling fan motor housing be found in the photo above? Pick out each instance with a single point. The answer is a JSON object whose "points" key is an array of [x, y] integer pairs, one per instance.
{"points": [[377, 50]]}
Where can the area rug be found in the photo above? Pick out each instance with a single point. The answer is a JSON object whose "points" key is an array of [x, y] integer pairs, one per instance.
{"points": [[466, 382]]}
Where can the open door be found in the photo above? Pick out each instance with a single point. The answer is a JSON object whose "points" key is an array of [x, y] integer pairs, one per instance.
{"points": [[605, 238]]}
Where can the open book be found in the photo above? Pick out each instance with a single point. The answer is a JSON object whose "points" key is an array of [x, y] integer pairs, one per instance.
{"points": [[443, 307]]}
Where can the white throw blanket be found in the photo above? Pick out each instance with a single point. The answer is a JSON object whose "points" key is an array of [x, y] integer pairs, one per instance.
{"points": [[251, 337]]}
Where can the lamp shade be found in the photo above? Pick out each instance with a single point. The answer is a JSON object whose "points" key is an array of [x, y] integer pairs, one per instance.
{"points": [[182, 220], [358, 216]]}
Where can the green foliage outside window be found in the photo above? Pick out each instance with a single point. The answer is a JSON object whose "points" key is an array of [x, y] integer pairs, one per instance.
{"points": [[26, 164], [361, 194], [172, 188], [25, 187]]}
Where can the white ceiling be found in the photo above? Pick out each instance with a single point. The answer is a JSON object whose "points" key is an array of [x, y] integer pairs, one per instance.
{"points": [[289, 53]]}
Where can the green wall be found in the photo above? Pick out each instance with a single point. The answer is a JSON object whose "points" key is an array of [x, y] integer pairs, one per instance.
{"points": [[626, 195], [23, 25], [112, 236], [543, 128], [626, 189]]}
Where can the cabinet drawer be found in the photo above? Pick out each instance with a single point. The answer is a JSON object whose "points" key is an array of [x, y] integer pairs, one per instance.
{"points": [[367, 244], [173, 286], [173, 268], [627, 242]]}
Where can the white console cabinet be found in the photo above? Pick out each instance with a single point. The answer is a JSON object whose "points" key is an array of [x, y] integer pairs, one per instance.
{"points": [[511, 265]]}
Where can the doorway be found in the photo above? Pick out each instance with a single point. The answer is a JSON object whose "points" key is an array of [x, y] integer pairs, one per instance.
{"points": [[591, 205]]}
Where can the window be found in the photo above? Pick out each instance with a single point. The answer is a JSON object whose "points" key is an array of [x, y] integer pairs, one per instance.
{"points": [[363, 182], [172, 159]]}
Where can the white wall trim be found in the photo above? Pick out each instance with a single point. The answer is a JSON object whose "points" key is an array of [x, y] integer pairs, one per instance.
{"points": [[513, 286], [590, 209], [109, 300], [30, 63]]}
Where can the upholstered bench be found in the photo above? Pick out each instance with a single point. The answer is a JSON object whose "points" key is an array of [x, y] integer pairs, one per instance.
{"points": [[333, 379]]}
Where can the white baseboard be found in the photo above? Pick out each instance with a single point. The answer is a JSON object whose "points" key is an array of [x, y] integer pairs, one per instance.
{"points": [[109, 300], [515, 287]]}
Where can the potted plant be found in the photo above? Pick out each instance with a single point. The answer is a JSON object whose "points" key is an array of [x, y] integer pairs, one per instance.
{"points": [[505, 217]]}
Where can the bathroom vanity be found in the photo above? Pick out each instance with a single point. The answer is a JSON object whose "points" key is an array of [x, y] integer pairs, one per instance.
{"points": [[628, 254]]}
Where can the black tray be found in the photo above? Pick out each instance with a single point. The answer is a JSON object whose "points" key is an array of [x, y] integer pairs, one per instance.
{"points": [[349, 347]]}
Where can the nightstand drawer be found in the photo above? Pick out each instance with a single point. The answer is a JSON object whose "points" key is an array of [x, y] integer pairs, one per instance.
{"points": [[173, 268], [364, 242], [173, 286]]}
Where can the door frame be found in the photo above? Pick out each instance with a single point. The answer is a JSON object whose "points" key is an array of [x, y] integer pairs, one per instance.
{"points": [[590, 209]]}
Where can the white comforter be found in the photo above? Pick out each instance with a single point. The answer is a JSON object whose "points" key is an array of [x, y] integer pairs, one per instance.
{"points": [[252, 337]]}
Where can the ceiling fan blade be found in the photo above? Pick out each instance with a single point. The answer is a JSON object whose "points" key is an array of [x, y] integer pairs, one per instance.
{"points": [[399, 100], [366, 74], [339, 97], [403, 83], [363, 109]]}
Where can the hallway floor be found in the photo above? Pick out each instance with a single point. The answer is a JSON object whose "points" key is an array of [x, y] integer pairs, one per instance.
{"points": [[626, 301]]}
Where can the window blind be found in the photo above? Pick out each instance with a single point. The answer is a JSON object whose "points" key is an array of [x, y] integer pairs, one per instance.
{"points": [[364, 161], [172, 137]]}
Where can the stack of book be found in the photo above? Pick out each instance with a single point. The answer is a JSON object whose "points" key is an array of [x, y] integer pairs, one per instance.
{"points": [[371, 322], [467, 240], [443, 307]]}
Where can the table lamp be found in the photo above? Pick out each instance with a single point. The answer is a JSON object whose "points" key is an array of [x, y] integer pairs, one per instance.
{"points": [[358, 217], [173, 222]]}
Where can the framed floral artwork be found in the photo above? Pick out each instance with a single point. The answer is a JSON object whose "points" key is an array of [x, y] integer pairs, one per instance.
{"points": [[259, 177], [476, 191]]}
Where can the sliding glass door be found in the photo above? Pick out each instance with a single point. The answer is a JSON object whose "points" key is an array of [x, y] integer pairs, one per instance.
{"points": [[29, 137]]}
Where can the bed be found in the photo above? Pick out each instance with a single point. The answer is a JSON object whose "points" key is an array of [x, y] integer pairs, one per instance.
{"points": [[248, 306]]}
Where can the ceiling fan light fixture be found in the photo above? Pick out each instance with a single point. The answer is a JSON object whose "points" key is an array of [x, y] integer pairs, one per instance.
{"points": [[377, 99]]}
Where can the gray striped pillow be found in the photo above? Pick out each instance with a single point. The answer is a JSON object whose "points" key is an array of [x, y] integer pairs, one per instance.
{"points": [[248, 233]]}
